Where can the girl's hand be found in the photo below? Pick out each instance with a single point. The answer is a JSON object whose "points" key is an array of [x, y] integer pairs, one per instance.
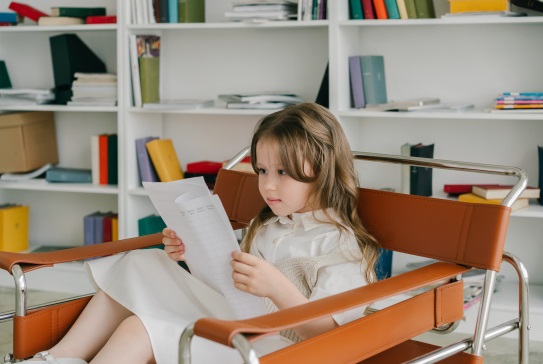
{"points": [[257, 276], [173, 245]]}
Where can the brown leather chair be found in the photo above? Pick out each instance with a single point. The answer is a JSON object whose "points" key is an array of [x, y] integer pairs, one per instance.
{"points": [[460, 236]]}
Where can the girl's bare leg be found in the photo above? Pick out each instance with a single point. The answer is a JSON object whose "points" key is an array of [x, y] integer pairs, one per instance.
{"points": [[129, 344], [92, 329]]}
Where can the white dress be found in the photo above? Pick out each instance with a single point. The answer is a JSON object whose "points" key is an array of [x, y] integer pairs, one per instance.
{"points": [[167, 298]]}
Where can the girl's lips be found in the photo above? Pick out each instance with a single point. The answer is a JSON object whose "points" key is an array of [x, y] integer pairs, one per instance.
{"points": [[273, 201]]}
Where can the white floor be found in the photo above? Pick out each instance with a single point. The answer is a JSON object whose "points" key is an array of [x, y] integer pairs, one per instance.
{"points": [[499, 351]]}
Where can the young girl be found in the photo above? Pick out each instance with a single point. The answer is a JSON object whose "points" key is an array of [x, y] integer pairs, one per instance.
{"points": [[308, 243]]}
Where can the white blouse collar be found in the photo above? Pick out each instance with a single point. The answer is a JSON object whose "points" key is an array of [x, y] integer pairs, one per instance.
{"points": [[308, 220]]}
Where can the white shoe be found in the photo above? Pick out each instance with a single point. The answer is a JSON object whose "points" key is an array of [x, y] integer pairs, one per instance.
{"points": [[48, 358]]}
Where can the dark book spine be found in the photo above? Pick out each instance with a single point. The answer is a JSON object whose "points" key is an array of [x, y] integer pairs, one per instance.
{"points": [[529, 4], [421, 177], [540, 164]]}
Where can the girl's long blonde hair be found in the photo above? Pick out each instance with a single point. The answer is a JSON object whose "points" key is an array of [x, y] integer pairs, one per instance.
{"points": [[310, 133]]}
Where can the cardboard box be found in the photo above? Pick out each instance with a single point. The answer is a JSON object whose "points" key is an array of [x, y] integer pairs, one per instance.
{"points": [[27, 141], [13, 228]]}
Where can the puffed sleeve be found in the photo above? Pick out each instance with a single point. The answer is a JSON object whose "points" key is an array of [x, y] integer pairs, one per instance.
{"points": [[337, 278]]}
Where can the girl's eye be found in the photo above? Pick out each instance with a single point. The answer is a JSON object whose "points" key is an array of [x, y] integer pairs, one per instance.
{"points": [[262, 171], [282, 172]]}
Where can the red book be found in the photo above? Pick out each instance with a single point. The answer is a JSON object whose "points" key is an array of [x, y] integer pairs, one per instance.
{"points": [[27, 11], [457, 189], [204, 167], [101, 19], [380, 9], [367, 9], [103, 155]]}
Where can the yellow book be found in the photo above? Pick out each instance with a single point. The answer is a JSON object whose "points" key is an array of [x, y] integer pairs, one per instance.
{"points": [[460, 6], [164, 158], [13, 228], [470, 197], [114, 228]]}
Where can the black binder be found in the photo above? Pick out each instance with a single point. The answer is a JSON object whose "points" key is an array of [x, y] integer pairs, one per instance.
{"points": [[69, 54]]}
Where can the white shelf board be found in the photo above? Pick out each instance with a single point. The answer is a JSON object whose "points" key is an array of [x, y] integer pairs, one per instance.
{"points": [[58, 28], [205, 111], [476, 20], [468, 115], [59, 108], [230, 25], [43, 185]]}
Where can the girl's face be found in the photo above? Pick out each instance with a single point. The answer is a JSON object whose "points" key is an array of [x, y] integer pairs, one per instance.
{"points": [[283, 194]]}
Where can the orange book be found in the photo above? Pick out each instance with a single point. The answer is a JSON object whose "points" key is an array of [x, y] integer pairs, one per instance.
{"points": [[380, 9], [103, 158], [164, 158]]}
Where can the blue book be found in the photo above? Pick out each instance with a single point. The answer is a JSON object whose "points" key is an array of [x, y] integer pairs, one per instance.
{"points": [[522, 93], [68, 175], [392, 9], [173, 11], [147, 171], [88, 229], [8, 17], [357, 87], [373, 79]]}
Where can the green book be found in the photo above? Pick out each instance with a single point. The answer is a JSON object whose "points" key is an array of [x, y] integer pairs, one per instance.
{"points": [[149, 79], [411, 9], [425, 9], [191, 11], [373, 79], [150, 225], [355, 9], [77, 12], [5, 81]]}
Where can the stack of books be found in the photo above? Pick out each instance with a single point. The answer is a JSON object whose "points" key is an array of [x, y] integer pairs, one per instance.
{"points": [[520, 101], [260, 100], [157, 160], [100, 227], [263, 10], [94, 89], [494, 194]]}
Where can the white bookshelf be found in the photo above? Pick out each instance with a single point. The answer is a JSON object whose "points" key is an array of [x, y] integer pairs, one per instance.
{"points": [[458, 60]]}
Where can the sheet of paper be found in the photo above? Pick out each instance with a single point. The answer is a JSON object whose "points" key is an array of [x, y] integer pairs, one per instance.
{"points": [[199, 219]]}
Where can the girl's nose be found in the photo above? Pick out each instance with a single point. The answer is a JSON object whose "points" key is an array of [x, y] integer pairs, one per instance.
{"points": [[270, 183]]}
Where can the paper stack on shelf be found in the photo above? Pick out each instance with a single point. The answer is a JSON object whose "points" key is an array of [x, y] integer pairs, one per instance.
{"points": [[260, 100], [10, 96], [263, 10], [94, 89]]}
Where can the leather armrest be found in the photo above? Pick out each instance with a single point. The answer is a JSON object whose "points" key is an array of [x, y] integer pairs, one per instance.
{"points": [[223, 331], [31, 261]]}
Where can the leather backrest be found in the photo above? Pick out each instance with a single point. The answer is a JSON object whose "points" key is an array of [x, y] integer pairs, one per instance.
{"points": [[447, 230]]}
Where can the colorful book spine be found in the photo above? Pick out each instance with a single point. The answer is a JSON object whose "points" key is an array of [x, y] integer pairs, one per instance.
{"points": [[425, 9], [392, 9], [101, 19], [357, 86], [368, 9], [77, 12], [373, 79], [68, 175], [173, 11], [27, 11], [380, 9], [146, 169], [13, 227], [411, 9], [148, 47], [402, 9], [162, 153], [355, 10], [192, 11]]}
